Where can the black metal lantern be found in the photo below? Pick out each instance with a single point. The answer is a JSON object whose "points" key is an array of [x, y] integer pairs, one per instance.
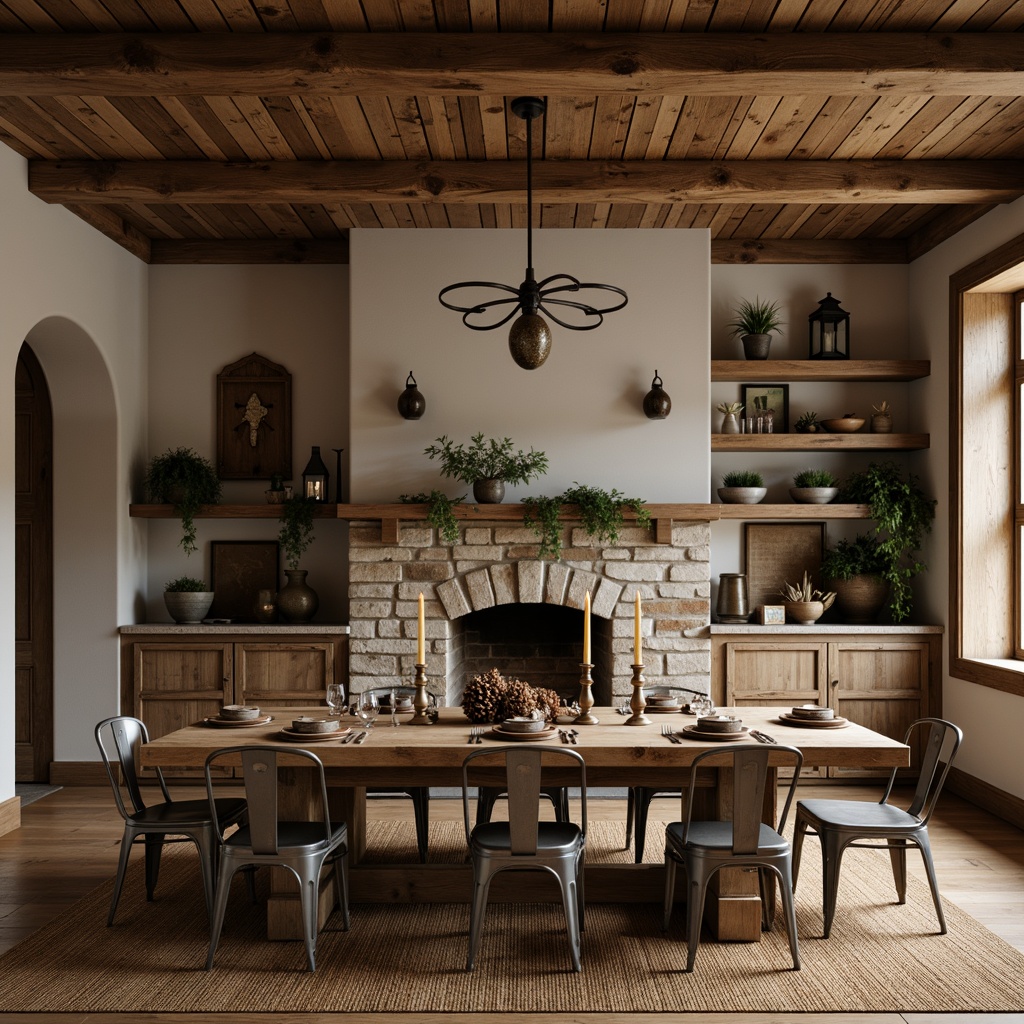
{"points": [[315, 477], [829, 330], [411, 403], [657, 404]]}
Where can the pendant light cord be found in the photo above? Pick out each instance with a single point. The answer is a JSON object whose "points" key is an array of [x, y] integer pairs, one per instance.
{"points": [[529, 195]]}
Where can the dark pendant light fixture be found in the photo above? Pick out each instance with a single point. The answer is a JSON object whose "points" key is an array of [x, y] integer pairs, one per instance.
{"points": [[529, 339]]}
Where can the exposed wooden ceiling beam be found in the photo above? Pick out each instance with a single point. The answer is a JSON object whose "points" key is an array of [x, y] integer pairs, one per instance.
{"points": [[568, 181], [194, 251], [808, 250], [506, 64]]}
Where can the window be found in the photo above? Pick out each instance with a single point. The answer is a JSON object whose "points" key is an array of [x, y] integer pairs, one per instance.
{"points": [[987, 471]]}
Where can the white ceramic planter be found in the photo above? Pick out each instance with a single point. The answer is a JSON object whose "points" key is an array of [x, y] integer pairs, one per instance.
{"points": [[742, 495], [813, 495]]}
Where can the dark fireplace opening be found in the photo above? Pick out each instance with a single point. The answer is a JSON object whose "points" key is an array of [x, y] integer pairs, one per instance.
{"points": [[542, 644]]}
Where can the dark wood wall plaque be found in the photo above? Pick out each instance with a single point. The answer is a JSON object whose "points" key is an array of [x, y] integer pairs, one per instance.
{"points": [[254, 420]]}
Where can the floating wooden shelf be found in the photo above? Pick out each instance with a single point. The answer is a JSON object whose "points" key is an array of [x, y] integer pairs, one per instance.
{"points": [[818, 442], [772, 370], [793, 511]]}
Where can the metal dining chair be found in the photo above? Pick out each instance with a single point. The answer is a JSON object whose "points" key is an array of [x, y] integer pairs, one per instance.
{"points": [[524, 842], [842, 824], [744, 841], [169, 821], [301, 847], [420, 795]]}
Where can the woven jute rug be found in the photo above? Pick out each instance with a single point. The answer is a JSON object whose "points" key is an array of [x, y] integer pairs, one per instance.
{"points": [[408, 958]]}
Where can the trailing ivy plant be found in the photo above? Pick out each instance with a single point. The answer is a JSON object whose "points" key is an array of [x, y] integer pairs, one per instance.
{"points": [[903, 514], [296, 532], [601, 512], [182, 477], [440, 512]]}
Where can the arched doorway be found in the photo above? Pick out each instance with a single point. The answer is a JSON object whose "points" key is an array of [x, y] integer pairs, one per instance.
{"points": [[33, 571]]}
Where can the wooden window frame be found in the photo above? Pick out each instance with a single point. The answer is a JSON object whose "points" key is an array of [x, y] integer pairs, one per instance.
{"points": [[999, 275]]}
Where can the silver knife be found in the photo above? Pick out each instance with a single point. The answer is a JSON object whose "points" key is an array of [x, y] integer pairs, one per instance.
{"points": [[349, 738], [362, 736]]}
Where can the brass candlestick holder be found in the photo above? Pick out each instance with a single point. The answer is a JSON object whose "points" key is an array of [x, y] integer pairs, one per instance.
{"points": [[421, 701], [637, 704], [586, 698]]}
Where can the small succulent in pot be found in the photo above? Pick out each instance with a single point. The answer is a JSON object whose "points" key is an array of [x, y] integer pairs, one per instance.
{"points": [[187, 599], [755, 322], [804, 604], [814, 487]]}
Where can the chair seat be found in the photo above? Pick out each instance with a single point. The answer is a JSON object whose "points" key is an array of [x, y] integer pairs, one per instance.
{"points": [[859, 815], [291, 835], [717, 835], [552, 836], [188, 813]]}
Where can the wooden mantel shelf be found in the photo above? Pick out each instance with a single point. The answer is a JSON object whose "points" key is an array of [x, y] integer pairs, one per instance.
{"points": [[391, 516], [770, 370]]}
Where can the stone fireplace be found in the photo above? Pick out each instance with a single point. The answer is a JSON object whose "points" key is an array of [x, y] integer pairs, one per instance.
{"points": [[490, 602]]}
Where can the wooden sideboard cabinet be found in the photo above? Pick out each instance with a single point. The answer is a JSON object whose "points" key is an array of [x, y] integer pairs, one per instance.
{"points": [[882, 678], [173, 675]]}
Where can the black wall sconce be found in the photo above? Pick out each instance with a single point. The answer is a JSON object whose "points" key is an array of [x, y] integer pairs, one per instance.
{"points": [[830, 330], [411, 403], [657, 404]]}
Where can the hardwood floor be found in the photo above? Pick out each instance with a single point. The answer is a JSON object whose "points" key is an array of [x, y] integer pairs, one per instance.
{"points": [[68, 844]]}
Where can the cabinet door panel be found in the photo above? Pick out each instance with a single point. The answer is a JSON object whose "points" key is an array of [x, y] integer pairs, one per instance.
{"points": [[882, 686], [775, 674], [176, 684], [283, 674]]}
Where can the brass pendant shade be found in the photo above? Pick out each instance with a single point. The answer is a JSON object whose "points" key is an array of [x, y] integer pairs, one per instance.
{"points": [[529, 339]]}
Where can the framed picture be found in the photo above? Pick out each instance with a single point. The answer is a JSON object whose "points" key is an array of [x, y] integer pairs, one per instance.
{"points": [[773, 614], [778, 553], [238, 569], [761, 398]]}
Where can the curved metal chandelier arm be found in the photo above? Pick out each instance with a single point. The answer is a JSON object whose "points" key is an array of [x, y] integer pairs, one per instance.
{"points": [[577, 286], [482, 307]]}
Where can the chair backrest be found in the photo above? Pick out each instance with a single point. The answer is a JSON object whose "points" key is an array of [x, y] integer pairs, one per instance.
{"points": [[938, 748], [119, 739], [523, 767], [749, 763], [259, 776]]}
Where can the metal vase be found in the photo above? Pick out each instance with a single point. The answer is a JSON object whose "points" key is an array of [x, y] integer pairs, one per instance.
{"points": [[732, 597]]}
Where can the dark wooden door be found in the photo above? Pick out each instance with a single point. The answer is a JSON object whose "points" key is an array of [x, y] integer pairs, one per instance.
{"points": [[33, 572]]}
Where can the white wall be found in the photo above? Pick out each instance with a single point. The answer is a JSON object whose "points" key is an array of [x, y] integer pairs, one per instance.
{"points": [[876, 299], [991, 719], [202, 319], [81, 300], [582, 407]]}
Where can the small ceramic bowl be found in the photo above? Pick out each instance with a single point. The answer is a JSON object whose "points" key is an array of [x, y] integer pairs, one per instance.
{"points": [[314, 725], [813, 711], [663, 698], [239, 712], [813, 495], [523, 724], [719, 723]]}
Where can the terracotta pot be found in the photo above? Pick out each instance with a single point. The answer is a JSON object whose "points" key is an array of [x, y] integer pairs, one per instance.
{"points": [[860, 598], [297, 601]]}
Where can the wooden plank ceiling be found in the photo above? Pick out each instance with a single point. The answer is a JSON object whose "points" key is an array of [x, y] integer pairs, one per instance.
{"points": [[243, 130]]}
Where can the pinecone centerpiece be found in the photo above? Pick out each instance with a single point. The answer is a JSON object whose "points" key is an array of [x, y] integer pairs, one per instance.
{"points": [[493, 698]]}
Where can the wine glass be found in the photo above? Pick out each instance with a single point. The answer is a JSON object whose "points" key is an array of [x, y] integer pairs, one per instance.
{"points": [[367, 708], [335, 698]]}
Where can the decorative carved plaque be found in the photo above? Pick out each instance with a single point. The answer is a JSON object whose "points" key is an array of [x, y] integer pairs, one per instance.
{"points": [[254, 420]]}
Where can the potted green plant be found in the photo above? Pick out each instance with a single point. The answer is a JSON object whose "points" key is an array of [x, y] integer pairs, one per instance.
{"points": [[742, 487], [804, 604], [856, 571], [297, 601], [183, 478], [755, 322], [187, 599], [601, 512], [487, 464], [813, 487], [903, 514]]}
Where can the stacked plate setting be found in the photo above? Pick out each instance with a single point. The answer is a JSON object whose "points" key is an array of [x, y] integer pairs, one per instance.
{"points": [[813, 713], [720, 723]]}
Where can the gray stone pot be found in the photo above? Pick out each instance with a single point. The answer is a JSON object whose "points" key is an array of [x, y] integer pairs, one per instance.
{"points": [[188, 608]]}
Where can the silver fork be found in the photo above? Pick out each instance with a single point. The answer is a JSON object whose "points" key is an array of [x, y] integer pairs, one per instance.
{"points": [[669, 733], [476, 735]]}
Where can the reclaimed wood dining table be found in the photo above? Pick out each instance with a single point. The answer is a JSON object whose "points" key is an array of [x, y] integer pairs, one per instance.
{"points": [[616, 755]]}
